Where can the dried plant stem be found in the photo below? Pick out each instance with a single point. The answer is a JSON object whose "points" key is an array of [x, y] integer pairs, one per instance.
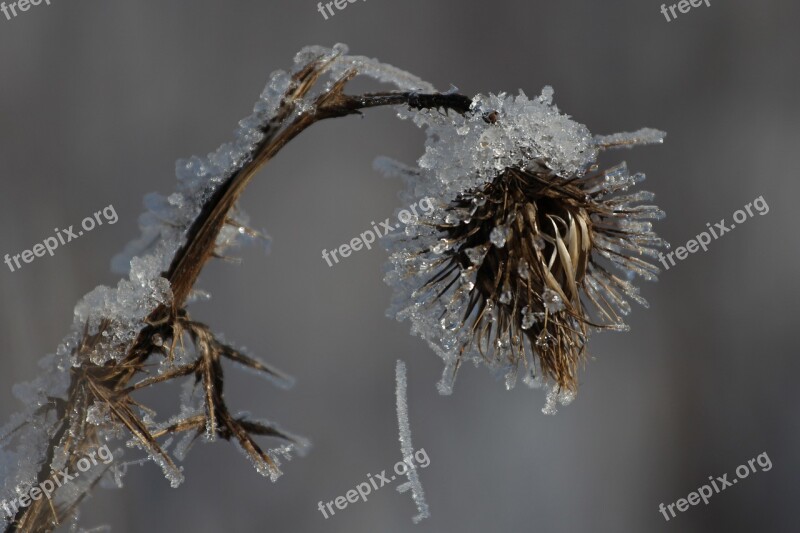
{"points": [[111, 383]]}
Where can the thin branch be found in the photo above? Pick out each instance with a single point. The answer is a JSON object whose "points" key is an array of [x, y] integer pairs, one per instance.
{"points": [[109, 383]]}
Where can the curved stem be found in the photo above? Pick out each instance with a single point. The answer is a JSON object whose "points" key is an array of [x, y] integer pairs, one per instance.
{"points": [[185, 268]]}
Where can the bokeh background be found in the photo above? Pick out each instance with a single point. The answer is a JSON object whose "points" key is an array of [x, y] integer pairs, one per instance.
{"points": [[99, 98]]}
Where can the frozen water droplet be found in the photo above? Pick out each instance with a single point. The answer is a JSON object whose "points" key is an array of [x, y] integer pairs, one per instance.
{"points": [[545, 341], [523, 270], [619, 326], [177, 199], [511, 376], [552, 301], [554, 396], [528, 318], [476, 255], [530, 380], [468, 278], [440, 247], [98, 413], [499, 235], [450, 321], [546, 97]]}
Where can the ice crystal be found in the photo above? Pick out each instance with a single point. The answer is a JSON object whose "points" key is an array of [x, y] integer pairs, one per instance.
{"points": [[552, 301], [520, 132], [98, 414], [498, 236]]}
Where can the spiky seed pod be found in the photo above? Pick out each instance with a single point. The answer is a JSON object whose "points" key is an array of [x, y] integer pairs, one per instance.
{"points": [[514, 270]]}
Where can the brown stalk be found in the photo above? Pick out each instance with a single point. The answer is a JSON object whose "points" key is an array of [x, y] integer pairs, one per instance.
{"points": [[110, 384]]}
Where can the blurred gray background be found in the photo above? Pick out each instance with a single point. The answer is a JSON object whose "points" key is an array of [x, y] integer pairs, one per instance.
{"points": [[98, 100]]}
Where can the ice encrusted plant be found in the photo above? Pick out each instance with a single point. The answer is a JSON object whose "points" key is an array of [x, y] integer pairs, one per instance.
{"points": [[522, 216], [515, 265]]}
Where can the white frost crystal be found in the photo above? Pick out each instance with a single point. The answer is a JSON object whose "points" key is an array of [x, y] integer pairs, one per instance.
{"points": [[554, 396], [552, 301], [498, 236], [465, 152], [528, 318]]}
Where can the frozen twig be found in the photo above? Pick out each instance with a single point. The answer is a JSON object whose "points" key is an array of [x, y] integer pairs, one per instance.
{"points": [[84, 395], [406, 447]]}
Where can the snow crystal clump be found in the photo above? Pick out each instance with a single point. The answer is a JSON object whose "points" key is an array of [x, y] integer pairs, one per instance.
{"points": [[463, 152]]}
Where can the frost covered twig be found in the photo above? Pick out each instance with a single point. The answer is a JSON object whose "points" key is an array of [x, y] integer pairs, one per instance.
{"points": [[406, 446], [85, 394]]}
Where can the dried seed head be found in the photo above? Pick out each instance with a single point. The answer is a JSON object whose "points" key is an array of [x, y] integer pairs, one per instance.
{"points": [[513, 269]]}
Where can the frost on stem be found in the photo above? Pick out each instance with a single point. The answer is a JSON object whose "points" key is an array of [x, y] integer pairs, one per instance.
{"points": [[83, 395], [406, 447], [515, 265]]}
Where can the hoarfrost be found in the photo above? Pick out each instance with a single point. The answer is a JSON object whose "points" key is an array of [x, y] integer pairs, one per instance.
{"points": [[464, 152], [117, 314], [554, 396], [406, 447]]}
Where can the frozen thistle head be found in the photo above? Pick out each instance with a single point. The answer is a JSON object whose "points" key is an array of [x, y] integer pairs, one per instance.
{"points": [[513, 266]]}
